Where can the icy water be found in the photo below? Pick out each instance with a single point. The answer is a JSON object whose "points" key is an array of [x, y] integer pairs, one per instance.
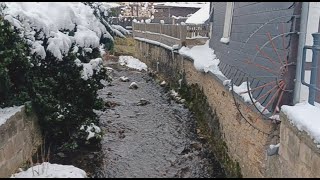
{"points": [[153, 139]]}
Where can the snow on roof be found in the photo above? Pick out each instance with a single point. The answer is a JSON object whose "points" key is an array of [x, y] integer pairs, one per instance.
{"points": [[200, 16], [305, 117], [182, 4], [7, 112], [47, 170]]}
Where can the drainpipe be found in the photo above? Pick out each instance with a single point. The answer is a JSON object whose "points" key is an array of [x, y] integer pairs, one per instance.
{"points": [[302, 42]]}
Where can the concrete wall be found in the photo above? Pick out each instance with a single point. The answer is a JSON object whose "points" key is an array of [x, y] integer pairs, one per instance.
{"points": [[243, 143], [298, 155], [19, 139]]}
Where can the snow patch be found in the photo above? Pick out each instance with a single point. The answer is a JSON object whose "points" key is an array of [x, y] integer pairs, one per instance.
{"points": [[204, 58], [89, 68], [225, 40], [132, 62], [92, 130], [305, 117], [121, 29], [48, 170], [7, 112]]}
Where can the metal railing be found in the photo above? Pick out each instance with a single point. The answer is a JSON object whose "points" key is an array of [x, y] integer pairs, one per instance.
{"points": [[313, 85]]}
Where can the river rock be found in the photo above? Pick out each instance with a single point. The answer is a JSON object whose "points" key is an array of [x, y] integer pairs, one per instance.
{"points": [[133, 85], [124, 79], [143, 102], [182, 101], [61, 154], [111, 104], [121, 136], [196, 145], [163, 83]]}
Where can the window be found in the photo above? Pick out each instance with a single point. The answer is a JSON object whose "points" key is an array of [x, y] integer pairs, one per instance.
{"points": [[227, 23]]}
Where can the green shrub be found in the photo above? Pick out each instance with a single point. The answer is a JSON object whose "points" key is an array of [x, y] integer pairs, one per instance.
{"points": [[62, 100], [14, 67]]}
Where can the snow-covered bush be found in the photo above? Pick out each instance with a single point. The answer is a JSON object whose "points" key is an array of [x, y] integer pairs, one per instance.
{"points": [[14, 67], [63, 62]]}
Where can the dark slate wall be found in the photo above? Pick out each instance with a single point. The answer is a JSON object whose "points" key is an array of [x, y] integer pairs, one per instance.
{"points": [[251, 23], [248, 17]]}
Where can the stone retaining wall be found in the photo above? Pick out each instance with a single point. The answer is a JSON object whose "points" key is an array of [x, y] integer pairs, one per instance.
{"points": [[19, 139], [244, 144]]}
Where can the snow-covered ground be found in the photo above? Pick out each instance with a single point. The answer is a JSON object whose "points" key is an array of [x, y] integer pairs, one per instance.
{"points": [[204, 58], [132, 62], [200, 16], [7, 112], [305, 117], [48, 170]]}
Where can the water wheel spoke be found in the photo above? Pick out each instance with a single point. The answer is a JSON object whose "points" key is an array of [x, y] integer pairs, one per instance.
{"points": [[279, 99], [274, 48], [257, 100], [267, 93], [273, 98], [265, 55], [262, 86]]}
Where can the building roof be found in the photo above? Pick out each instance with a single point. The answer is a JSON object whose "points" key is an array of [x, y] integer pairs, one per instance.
{"points": [[200, 16], [180, 4]]}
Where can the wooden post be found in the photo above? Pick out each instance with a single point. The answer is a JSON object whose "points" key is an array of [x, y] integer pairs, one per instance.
{"points": [[160, 27], [133, 29], [183, 34], [145, 29], [160, 36]]}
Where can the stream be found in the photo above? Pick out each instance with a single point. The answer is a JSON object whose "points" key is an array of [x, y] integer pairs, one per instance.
{"points": [[147, 134]]}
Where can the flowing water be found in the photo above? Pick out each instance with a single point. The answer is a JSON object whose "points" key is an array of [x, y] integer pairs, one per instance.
{"points": [[155, 137]]}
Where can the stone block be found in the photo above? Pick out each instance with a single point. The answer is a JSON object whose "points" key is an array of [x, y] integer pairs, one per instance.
{"points": [[15, 162], [19, 140], [3, 138], [315, 164], [283, 152], [12, 126], [20, 125], [303, 170], [305, 153], [4, 171], [293, 143], [2, 157], [9, 150]]}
